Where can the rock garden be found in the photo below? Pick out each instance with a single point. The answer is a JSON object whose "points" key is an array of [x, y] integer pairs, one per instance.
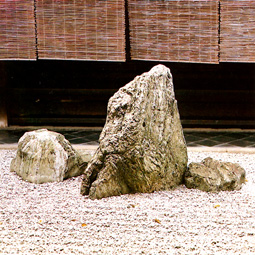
{"points": [[140, 193]]}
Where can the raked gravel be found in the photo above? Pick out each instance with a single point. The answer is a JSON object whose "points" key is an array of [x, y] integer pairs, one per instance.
{"points": [[54, 218]]}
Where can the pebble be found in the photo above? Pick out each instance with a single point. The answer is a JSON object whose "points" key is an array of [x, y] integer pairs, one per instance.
{"points": [[48, 218]]}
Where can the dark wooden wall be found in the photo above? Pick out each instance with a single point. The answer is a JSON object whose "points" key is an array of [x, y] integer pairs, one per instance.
{"points": [[75, 93]]}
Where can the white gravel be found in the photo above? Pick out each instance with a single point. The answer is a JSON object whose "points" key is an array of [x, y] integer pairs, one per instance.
{"points": [[54, 218]]}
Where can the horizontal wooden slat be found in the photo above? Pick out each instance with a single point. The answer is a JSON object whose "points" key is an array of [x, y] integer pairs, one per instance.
{"points": [[216, 110], [81, 104], [88, 121], [58, 103], [216, 96], [62, 94], [219, 123], [100, 122]]}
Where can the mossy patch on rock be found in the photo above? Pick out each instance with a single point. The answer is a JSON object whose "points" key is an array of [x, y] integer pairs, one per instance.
{"points": [[142, 147]]}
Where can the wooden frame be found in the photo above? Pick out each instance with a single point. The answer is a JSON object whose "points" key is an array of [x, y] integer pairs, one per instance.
{"points": [[3, 112]]}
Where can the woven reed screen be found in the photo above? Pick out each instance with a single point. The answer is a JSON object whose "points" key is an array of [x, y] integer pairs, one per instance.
{"points": [[17, 29], [179, 31], [237, 31], [81, 29]]}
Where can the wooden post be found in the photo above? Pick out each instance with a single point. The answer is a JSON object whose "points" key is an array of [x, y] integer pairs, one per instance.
{"points": [[3, 113]]}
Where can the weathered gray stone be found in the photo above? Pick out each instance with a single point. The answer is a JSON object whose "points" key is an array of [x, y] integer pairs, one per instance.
{"points": [[214, 175], [86, 155], [46, 156], [142, 147]]}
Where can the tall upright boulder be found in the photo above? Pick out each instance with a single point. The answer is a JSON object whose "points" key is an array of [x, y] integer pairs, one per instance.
{"points": [[46, 156], [142, 147]]}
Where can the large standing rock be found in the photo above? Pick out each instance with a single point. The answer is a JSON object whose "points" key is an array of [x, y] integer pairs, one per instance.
{"points": [[142, 147], [45, 156], [214, 175]]}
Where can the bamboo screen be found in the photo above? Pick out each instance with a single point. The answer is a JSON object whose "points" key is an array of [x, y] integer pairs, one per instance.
{"points": [[81, 29], [237, 31], [17, 29], [179, 31]]}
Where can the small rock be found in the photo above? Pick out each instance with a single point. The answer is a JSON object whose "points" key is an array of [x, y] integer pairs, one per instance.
{"points": [[214, 175], [46, 156]]}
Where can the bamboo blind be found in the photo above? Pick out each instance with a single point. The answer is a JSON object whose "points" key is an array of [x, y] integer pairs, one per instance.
{"points": [[17, 29], [179, 31], [237, 31], [81, 29]]}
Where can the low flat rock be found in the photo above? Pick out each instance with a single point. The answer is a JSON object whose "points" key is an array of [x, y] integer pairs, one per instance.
{"points": [[142, 147], [46, 156], [214, 175]]}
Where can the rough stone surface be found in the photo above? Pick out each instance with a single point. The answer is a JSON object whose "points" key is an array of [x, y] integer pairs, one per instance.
{"points": [[142, 147], [46, 156], [214, 175], [86, 155]]}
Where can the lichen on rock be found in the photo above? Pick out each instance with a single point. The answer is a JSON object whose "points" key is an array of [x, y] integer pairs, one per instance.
{"points": [[46, 156], [213, 175], [142, 147]]}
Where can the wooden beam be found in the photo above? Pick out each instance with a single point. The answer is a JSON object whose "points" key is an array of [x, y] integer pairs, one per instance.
{"points": [[3, 112], [3, 117]]}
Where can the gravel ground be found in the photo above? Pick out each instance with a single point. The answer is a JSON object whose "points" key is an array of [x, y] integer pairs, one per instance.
{"points": [[54, 218]]}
